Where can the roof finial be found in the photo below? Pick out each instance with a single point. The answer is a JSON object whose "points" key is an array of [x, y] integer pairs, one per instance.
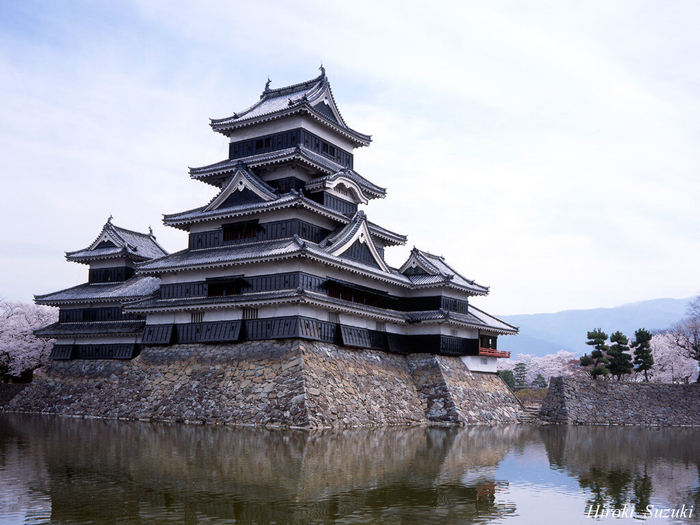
{"points": [[150, 230], [267, 84], [323, 70], [109, 219]]}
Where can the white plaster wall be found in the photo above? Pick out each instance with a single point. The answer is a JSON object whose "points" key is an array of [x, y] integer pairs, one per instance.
{"points": [[437, 290], [160, 318], [111, 263], [228, 314], [480, 363], [266, 128], [441, 328], [328, 135]]}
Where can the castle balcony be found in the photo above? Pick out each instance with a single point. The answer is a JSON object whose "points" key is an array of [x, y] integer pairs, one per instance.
{"points": [[492, 352]]}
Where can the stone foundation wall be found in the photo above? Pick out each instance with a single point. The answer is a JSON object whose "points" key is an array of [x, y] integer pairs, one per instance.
{"points": [[589, 402], [8, 391], [285, 383], [482, 398]]}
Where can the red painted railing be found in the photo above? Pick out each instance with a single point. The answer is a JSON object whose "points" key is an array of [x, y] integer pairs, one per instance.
{"points": [[492, 352]]}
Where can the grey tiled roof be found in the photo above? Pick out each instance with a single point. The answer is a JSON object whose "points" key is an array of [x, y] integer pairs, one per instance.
{"points": [[224, 255], [198, 214], [275, 103], [370, 190], [274, 100], [354, 265], [214, 302], [182, 220], [419, 280], [438, 271], [343, 234], [242, 171], [387, 235], [475, 317], [128, 243], [300, 152], [134, 288], [491, 321], [58, 330], [262, 250]]}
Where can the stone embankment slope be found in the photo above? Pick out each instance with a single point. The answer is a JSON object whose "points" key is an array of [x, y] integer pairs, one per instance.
{"points": [[8, 391], [285, 383], [588, 402]]}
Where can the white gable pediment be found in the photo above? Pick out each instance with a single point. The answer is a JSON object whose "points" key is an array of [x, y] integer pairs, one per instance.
{"points": [[108, 235], [239, 182], [326, 98], [362, 235], [414, 261], [346, 187]]}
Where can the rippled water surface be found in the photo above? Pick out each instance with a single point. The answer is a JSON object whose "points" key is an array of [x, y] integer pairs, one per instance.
{"points": [[58, 470]]}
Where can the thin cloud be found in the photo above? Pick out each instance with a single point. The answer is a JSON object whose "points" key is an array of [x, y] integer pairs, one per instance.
{"points": [[549, 151]]}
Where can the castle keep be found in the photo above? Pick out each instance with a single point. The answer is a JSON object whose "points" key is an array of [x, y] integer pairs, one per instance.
{"points": [[284, 258]]}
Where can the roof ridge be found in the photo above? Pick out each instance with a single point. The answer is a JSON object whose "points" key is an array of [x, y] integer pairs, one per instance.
{"points": [[228, 164], [428, 254], [293, 88], [134, 232], [272, 93]]}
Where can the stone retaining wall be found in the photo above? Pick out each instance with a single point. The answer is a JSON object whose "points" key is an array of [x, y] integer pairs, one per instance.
{"points": [[285, 383], [589, 402], [8, 391]]}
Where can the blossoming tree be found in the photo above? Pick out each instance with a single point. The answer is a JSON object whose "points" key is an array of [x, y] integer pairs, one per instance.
{"points": [[20, 350]]}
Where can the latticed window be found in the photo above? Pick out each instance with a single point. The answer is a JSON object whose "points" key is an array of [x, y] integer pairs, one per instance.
{"points": [[197, 317], [333, 317], [250, 313]]}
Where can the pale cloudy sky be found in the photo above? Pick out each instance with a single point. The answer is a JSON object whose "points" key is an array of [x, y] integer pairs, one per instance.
{"points": [[547, 149]]}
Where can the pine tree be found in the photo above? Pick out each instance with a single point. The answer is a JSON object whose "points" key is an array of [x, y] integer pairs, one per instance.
{"points": [[508, 377], [539, 381], [597, 359], [520, 372], [643, 360], [620, 359]]}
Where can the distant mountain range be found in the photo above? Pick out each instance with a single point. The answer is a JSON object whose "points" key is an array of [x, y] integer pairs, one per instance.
{"points": [[542, 334]]}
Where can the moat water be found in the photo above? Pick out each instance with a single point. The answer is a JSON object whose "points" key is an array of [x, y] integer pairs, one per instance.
{"points": [[72, 471]]}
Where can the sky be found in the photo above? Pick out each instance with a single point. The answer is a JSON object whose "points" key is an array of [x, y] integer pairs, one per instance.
{"points": [[547, 149]]}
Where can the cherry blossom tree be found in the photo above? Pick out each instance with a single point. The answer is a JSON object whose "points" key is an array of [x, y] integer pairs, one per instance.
{"points": [[547, 366], [686, 334], [671, 365], [20, 350]]}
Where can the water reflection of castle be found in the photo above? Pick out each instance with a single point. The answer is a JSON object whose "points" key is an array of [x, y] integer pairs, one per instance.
{"points": [[406, 475], [258, 476]]}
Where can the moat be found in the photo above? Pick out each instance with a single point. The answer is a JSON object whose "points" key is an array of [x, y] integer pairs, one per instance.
{"points": [[65, 470]]}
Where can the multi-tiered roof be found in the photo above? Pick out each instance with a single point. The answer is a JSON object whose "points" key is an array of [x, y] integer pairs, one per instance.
{"points": [[283, 249], [91, 322]]}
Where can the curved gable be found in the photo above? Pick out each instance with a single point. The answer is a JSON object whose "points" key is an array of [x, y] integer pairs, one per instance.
{"points": [[244, 186]]}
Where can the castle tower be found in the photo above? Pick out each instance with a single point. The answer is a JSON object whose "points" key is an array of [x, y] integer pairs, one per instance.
{"points": [[283, 250], [91, 322]]}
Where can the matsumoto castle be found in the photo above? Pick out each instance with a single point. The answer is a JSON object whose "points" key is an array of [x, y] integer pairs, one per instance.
{"points": [[283, 251]]}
